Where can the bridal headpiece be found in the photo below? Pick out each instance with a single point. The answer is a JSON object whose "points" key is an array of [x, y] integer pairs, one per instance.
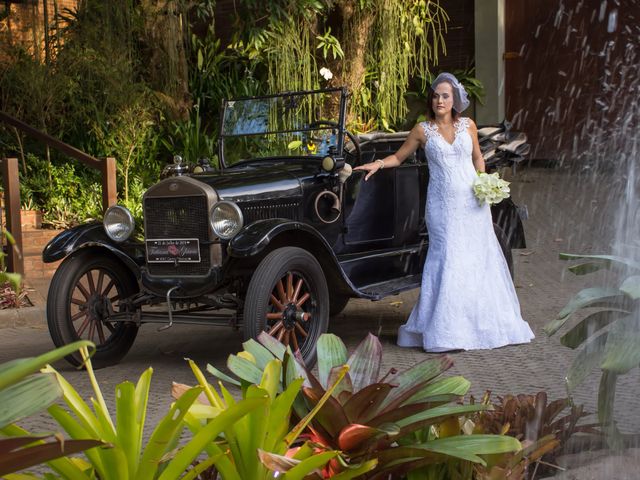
{"points": [[460, 97]]}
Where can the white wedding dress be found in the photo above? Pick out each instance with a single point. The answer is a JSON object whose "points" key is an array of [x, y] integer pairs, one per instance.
{"points": [[467, 299]]}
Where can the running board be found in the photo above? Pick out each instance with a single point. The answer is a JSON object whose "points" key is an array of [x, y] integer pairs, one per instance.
{"points": [[212, 319], [377, 291]]}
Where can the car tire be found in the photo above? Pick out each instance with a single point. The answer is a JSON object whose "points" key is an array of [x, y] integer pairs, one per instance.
{"points": [[82, 287], [506, 250], [337, 303], [288, 297]]}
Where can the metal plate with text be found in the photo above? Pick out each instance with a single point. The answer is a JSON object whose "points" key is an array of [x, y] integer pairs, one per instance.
{"points": [[172, 250]]}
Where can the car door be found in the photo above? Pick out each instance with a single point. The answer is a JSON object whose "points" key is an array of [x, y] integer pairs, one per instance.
{"points": [[382, 218]]}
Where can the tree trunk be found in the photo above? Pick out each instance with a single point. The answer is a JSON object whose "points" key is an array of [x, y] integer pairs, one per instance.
{"points": [[168, 71], [352, 27]]}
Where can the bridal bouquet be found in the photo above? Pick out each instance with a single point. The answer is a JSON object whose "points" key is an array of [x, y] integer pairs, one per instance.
{"points": [[490, 188]]}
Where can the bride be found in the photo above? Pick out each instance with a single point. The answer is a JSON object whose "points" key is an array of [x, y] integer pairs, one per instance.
{"points": [[467, 298]]}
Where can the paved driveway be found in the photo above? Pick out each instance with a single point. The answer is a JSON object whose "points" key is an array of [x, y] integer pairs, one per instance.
{"points": [[568, 212]]}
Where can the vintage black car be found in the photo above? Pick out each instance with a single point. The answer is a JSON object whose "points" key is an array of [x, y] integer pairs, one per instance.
{"points": [[278, 238]]}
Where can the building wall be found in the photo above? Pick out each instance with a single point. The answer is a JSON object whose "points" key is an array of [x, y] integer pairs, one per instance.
{"points": [[571, 74]]}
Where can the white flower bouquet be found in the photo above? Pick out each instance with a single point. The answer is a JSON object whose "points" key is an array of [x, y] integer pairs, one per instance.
{"points": [[490, 188]]}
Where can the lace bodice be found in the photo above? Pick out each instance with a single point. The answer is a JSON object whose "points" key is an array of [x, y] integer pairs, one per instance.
{"points": [[451, 170]]}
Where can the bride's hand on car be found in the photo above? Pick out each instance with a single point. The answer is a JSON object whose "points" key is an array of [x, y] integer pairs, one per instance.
{"points": [[371, 167]]}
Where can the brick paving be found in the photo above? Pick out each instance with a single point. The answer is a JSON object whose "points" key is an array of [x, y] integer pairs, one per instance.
{"points": [[569, 212]]}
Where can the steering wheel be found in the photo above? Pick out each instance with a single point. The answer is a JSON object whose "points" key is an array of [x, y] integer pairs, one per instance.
{"points": [[351, 136]]}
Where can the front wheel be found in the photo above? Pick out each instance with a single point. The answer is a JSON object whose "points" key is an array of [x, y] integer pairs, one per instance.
{"points": [[84, 290], [288, 298]]}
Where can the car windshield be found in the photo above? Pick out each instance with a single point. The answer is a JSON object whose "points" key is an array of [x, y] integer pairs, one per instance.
{"points": [[301, 124]]}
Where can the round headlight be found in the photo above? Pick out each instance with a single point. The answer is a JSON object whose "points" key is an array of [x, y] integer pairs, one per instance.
{"points": [[226, 219], [118, 223]]}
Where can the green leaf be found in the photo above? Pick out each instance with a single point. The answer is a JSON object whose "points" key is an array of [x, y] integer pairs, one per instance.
{"points": [[280, 414], [127, 429], [294, 145], [584, 298], [631, 287], [589, 357], [86, 418], [75, 430], [163, 433], [622, 350], [15, 279], [244, 369], [443, 389], [202, 466], [436, 415], [331, 353], [12, 372], [364, 363], [271, 375], [305, 467], [413, 380], [273, 345], [608, 260], [209, 433], [222, 376], [606, 400], [589, 326], [29, 396], [260, 353], [200, 59], [344, 389], [356, 471], [468, 447]]}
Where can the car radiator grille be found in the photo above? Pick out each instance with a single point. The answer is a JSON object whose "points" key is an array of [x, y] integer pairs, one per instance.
{"points": [[179, 217], [253, 211]]}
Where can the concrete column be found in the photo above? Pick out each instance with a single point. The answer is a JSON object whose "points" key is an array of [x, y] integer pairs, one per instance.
{"points": [[489, 25]]}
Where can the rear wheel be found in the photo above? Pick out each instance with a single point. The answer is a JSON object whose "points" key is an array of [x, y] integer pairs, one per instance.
{"points": [[84, 290], [288, 298]]}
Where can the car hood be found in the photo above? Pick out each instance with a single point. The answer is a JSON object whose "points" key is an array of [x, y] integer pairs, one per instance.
{"points": [[266, 180]]}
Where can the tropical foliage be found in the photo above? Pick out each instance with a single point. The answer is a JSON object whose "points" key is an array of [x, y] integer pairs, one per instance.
{"points": [[542, 427], [398, 419], [25, 391], [263, 441], [608, 337], [142, 80]]}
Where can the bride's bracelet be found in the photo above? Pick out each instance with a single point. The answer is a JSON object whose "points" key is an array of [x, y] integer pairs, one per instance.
{"points": [[381, 163]]}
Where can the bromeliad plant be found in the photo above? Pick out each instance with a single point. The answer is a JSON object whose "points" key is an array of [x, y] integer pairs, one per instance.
{"points": [[540, 425], [608, 338], [262, 442], [367, 417], [25, 391], [125, 457]]}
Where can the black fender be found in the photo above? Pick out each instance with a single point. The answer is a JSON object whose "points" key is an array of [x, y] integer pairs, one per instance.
{"points": [[265, 235], [92, 235], [506, 215]]}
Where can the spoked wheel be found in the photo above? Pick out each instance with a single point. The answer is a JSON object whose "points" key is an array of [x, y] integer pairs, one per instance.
{"points": [[288, 298], [84, 291]]}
